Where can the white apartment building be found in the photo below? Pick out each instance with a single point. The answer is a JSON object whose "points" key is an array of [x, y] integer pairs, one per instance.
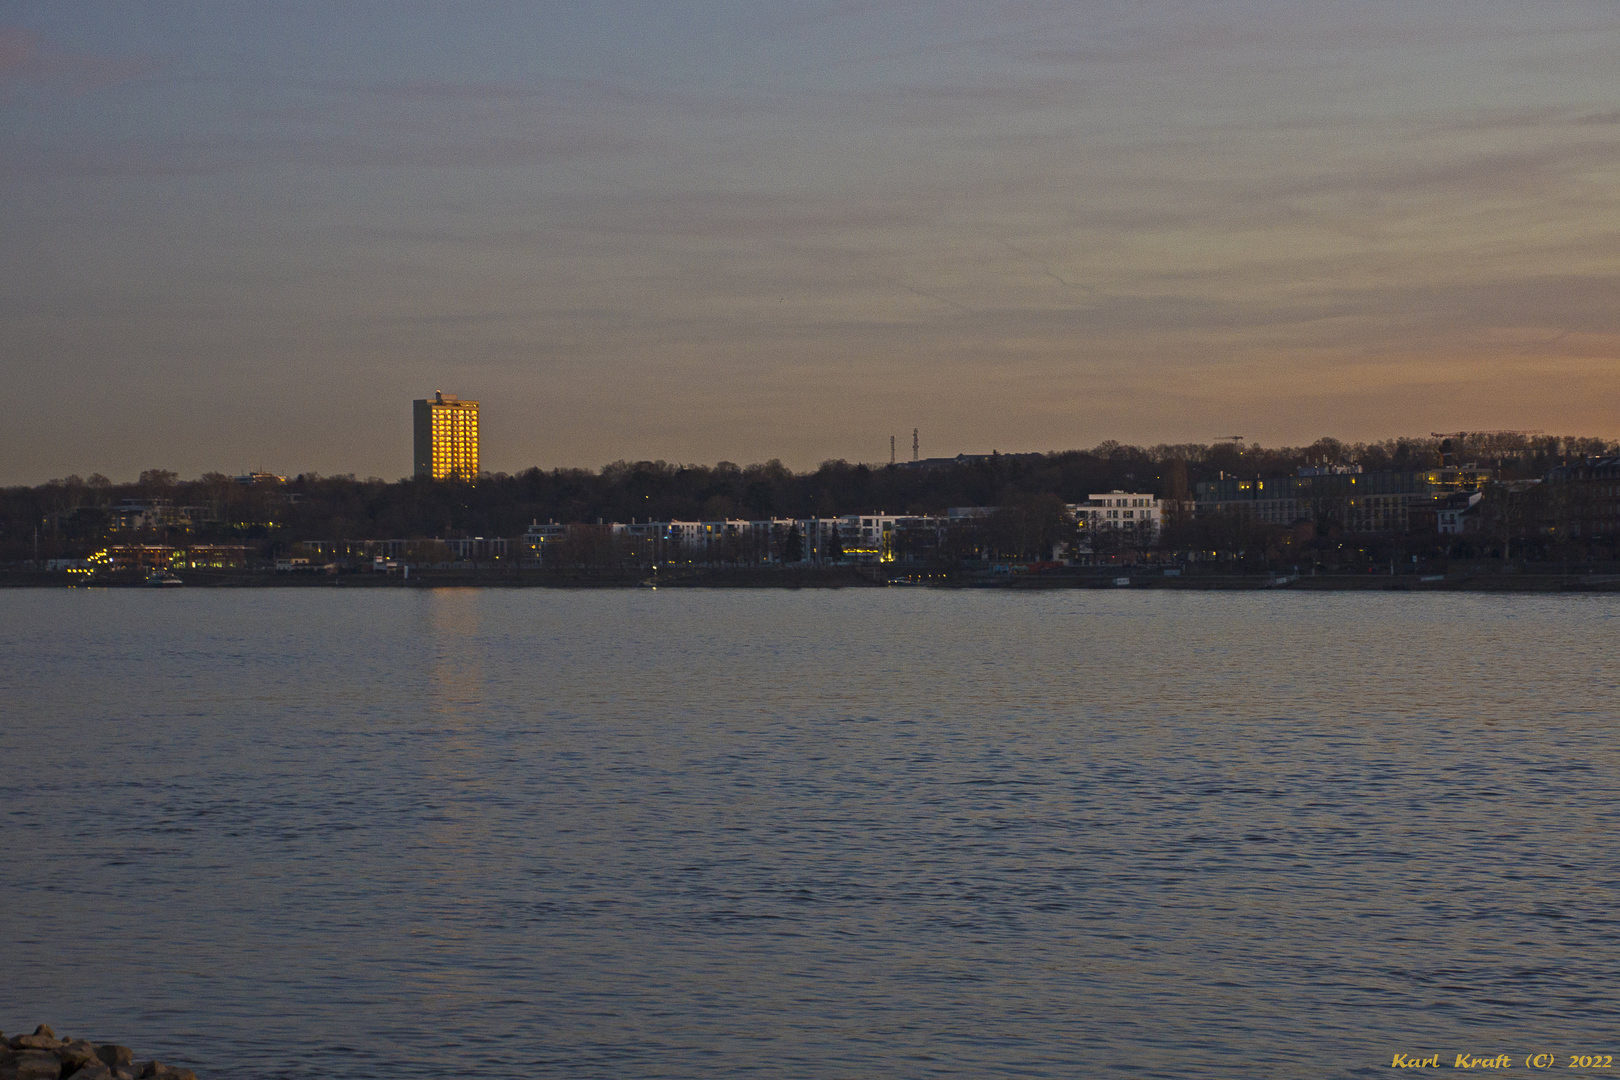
{"points": [[728, 540], [1453, 512], [868, 538], [478, 548], [1118, 510], [815, 536]]}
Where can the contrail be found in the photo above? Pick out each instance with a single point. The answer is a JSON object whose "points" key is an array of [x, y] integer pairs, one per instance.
{"points": [[936, 297], [1046, 268]]}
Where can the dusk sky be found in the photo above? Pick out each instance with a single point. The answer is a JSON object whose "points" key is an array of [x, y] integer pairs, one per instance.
{"points": [[246, 235]]}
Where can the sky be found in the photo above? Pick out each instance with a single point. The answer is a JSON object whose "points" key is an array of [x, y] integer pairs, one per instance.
{"points": [[247, 235]]}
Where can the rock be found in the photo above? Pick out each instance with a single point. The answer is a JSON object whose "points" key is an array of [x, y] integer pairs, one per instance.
{"points": [[35, 1065], [156, 1070], [42, 1056], [114, 1056], [77, 1053], [43, 1039]]}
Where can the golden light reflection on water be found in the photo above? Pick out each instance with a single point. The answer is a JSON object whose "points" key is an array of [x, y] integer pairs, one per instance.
{"points": [[451, 625], [456, 772]]}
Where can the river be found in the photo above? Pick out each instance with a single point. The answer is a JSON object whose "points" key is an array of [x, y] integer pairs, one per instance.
{"points": [[897, 833]]}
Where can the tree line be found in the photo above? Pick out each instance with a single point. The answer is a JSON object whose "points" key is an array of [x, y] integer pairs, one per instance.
{"points": [[63, 515]]}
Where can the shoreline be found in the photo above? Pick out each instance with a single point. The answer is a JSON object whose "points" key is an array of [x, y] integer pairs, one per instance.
{"points": [[843, 577]]}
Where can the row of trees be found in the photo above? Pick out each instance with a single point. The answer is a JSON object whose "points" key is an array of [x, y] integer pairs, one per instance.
{"points": [[69, 513]]}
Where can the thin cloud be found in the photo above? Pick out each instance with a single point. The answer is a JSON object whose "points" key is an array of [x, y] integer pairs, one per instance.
{"points": [[721, 215], [193, 157], [28, 61], [1517, 172], [942, 103]]}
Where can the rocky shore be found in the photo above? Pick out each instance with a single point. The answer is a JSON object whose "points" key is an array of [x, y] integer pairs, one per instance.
{"points": [[43, 1056]]}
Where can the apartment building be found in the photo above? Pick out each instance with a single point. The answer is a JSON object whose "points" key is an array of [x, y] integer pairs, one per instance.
{"points": [[446, 437], [1362, 502], [1121, 510]]}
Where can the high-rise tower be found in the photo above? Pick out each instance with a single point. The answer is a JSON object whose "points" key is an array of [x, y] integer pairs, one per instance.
{"points": [[446, 437]]}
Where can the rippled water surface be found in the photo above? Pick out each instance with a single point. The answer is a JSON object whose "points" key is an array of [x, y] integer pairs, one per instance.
{"points": [[296, 833]]}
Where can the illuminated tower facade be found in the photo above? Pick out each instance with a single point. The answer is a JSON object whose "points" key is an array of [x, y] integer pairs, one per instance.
{"points": [[446, 437]]}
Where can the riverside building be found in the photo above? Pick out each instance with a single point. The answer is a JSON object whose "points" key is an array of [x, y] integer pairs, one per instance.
{"points": [[446, 430], [1118, 511], [1362, 502], [1585, 498]]}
